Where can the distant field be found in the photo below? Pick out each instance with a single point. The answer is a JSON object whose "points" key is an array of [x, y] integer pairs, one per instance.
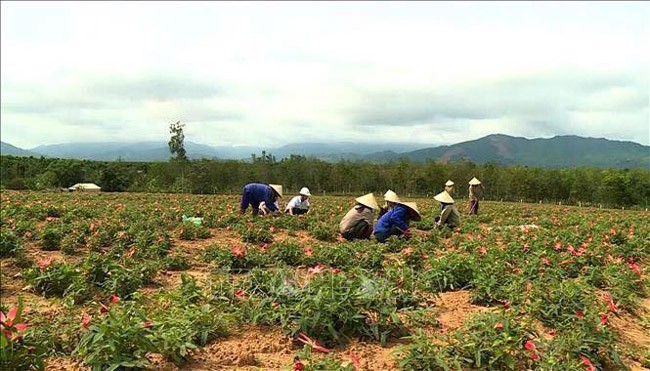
{"points": [[113, 279]]}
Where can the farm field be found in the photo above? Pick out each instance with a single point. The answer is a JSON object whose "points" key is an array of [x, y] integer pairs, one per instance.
{"points": [[118, 279]]}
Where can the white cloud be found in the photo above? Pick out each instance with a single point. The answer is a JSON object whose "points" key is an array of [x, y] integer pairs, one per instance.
{"points": [[272, 73]]}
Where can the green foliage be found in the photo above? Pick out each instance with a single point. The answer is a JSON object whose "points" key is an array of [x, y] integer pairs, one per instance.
{"points": [[10, 244], [18, 350], [51, 239]]}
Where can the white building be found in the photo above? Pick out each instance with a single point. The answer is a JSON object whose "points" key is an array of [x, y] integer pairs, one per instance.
{"points": [[86, 187]]}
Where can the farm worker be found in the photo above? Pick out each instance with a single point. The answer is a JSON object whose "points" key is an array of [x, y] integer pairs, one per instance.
{"points": [[357, 223], [254, 193], [449, 215], [299, 204], [475, 193], [391, 199], [396, 221], [449, 187], [265, 210]]}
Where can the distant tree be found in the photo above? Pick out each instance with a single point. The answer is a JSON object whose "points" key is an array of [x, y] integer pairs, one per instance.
{"points": [[176, 143]]}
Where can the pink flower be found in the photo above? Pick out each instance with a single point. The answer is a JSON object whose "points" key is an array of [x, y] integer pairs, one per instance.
{"points": [[580, 314], [276, 304], [530, 346], [115, 299], [356, 360], [309, 251], [498, 326], [634, 268], [43, 263], [238, 251], [85, 320], [302, 337], [587, 363], [147, 324], [545, 261], [298, 366], [8, 321], [603, 319], [316, 270], [552, 332]]}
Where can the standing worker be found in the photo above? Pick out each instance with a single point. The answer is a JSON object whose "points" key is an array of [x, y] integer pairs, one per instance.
{"points": [[254, 193], [449, 187], [357, 223], [299, 204], [475, 193]]}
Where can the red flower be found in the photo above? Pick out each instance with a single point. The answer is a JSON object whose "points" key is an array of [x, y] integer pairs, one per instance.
{"points": [[298, 366], [103, 309], [545, 261], [8, 320], [85, 320], [498, 326], [506, 304], [309, 251], [276, 304], [580, 314], [552, 332], [482, 250], [238, 251], [634, 268], [603, 319], [147, 324], [530, 346], [587, 363], [302, 337], [240, 293], [558, 245], [115, 299], [610, 302], [336, 271]]}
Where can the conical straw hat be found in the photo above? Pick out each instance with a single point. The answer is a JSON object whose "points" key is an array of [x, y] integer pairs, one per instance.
{"points": [[414, 213], [368, 200], [277, 188], [305, 191], [391, 196], [474, 181], [449, 183], [444, 197]]}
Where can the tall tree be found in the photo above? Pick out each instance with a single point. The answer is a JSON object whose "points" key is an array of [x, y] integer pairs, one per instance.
{"points": [[176, 143]]}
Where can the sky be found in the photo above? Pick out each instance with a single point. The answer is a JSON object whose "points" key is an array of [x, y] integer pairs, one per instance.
{"points": [[273, 73]]}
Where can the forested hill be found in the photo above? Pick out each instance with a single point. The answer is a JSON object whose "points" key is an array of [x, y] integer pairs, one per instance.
{"points": [[557, 152]]}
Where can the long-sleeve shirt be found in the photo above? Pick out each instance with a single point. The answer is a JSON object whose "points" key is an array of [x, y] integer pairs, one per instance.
{"points": [[258, 192], [397, 216], [450, 215], [475, 192], [358, 212]]}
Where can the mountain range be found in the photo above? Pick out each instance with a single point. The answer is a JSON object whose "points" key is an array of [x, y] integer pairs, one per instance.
{"points": [[558, 152]]}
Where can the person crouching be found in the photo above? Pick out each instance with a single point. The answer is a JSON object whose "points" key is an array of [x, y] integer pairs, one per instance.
{"points": [[396, 221], [299, 204], [449, 215], [357, 223]]}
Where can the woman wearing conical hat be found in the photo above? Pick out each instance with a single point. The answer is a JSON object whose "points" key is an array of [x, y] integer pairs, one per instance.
{"points": [[357, 223], [475, 193], [254, 193], [391, 199], [396, 221], [449, 215], [449, 187]]}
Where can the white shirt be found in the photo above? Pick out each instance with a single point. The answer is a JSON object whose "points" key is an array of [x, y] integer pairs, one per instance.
{"points": [[297, 203]]}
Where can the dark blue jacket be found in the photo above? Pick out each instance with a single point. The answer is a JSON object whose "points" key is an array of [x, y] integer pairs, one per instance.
{"points": [[255, 193], [397, 216]]}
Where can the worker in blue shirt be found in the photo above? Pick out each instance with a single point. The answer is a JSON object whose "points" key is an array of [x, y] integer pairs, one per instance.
{"points": [[395, 222], [254, 193]]}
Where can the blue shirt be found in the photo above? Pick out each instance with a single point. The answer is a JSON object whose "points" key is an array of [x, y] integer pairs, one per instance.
{"points": [[258, 192], [397, 216]]}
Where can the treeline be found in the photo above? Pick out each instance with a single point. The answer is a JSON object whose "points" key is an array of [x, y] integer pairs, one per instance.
{"points": [[609, 187]]}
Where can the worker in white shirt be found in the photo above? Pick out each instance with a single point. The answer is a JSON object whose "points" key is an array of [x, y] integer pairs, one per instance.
{"points": [[299, 204]]}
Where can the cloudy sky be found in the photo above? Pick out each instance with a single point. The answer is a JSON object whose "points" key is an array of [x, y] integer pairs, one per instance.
{"points": [[273, 73]]}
